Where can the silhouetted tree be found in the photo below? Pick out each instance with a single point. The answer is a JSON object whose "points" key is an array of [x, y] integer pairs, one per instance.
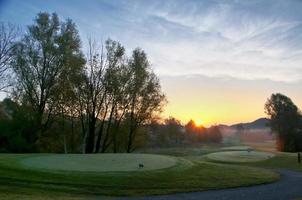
{"points": [[173, 130], [146, 97], [214, 134], [285, 121], [40, 59], [15, 128]]}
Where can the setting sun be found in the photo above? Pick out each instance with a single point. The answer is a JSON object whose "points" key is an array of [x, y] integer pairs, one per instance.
{"points": [[198, 122]]}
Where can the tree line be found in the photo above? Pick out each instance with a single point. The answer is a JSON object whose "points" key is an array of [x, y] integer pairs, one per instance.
{"points": [[99, 100], [171, 133]]}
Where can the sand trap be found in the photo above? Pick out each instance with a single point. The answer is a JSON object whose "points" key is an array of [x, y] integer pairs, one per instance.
{"points": [[98, 162], [240, 156]]}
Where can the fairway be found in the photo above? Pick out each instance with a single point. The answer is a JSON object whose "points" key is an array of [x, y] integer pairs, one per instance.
{"points": [[98, 162], [240, 156]]}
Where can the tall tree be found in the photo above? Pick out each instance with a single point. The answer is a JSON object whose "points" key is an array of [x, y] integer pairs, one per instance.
{"points": [[146, 97], [285, 120], [40, 60], [8, 36], [97, 94], [115, 80]]}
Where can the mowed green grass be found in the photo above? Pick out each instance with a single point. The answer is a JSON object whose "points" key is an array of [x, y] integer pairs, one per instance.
{"points": [[239, 156], [281, 161], [99, 162], [17, 180]]}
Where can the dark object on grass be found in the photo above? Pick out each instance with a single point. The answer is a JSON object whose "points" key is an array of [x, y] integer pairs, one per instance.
{"points": [[140, 165], [299, 157]]}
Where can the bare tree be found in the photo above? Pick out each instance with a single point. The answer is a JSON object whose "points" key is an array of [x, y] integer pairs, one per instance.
{"points": [[8, 36]]}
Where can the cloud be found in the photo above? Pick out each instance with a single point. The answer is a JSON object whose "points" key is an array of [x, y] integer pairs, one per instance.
{"points": [[243, 39], [234, 38]]}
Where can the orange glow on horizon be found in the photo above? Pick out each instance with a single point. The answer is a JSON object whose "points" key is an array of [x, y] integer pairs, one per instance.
{"points": [[198, 122], [221, 101]]}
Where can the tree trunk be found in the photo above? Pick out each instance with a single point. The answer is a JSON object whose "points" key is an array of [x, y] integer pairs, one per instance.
{"points": [[84, 134], [114, 137], [99, 137], [65, 144], [91, 134], [105, 143], [72, 145], [100, 133]]}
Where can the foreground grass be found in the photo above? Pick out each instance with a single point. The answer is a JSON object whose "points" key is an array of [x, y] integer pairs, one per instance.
{"points": [[186, 176]]}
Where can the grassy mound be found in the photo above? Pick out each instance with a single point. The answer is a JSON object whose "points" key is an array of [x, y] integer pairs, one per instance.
{"points": [[240, 156], [99, 162]]}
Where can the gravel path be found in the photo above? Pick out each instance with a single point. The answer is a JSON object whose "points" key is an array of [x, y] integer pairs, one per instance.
{"points": [[289, 187]]}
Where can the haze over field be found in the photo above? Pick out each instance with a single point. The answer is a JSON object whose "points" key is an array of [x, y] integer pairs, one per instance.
{"points": [[218, 61]]}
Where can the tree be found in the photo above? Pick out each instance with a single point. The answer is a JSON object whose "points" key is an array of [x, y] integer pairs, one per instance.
{"points": [[146, 97], [173, 130], [73, 64], [40, 60], [214, 134], [8, 36], [15, 128], [285, 121], [116, 82], [97, 94], [191, 127]]}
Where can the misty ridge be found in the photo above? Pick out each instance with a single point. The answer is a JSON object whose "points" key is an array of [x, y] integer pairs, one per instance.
{"points": [[255, 131]]}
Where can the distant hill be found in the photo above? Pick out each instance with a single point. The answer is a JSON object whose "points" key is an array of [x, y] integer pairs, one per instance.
{"points": [[261, 123]]}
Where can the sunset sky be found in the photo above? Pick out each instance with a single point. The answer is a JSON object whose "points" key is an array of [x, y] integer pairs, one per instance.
{"points": [[218, 61]]}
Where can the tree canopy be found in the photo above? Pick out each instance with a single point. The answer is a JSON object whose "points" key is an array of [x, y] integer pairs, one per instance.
{"points": [[285, 121]]}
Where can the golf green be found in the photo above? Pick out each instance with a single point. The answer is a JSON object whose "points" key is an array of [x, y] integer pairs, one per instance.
{"points": [[98, 162], [240, 156]]}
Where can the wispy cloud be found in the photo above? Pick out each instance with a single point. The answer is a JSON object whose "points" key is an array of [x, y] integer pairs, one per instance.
{"points": [[239, 38]]}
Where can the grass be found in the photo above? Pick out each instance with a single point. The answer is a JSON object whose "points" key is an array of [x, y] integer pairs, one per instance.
{"points": [[239, 156], [98, 162], [281, 161], [184, 176]]}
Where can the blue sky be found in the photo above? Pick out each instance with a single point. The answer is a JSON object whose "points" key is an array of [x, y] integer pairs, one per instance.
{"points": [[246, 40], [242, 39]]}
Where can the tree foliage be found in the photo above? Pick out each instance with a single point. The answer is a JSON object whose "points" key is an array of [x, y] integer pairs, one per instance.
{"points": [[47, 56], [106, 94], [285, 121]]}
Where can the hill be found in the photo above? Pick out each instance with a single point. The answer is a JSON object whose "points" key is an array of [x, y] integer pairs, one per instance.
{"points": [[261, 123]]}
